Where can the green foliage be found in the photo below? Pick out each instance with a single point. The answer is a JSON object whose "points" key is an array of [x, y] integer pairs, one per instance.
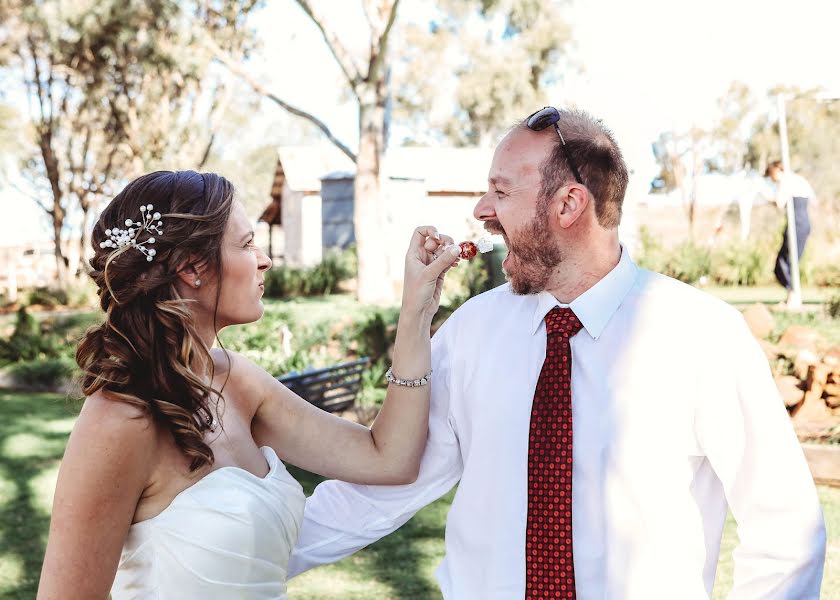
{"points": [[813, 128], [26, 341], [44, 373], [652, 256], [283, 282], [337, 266], [820, 275], [468, 279], [373, 335], [373, 389], [49, 297], [325, 278], [832, 307], [117, 88], [741, 263], [732, 263], [319, 333], [52, 338], [82, 294], [531, 35], [687, 262], [262, 342]]}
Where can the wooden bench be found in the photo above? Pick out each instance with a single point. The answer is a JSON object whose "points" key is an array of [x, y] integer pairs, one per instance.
{"points": [[332, 389]]}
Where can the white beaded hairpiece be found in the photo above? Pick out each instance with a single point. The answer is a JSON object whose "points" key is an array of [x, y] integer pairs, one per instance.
{"points": [[121, 238]]}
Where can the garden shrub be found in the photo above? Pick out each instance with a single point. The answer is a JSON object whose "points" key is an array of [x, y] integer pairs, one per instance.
{"points": [[324, 278], [46, 373], [741, 263], [50, 297], [26, 342], [832, 307]]}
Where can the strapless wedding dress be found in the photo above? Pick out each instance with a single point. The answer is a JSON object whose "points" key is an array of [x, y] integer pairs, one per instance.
{"points": [[229, 535]]}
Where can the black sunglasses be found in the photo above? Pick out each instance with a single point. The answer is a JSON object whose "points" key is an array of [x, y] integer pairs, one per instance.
{"points": [[551, 116]]}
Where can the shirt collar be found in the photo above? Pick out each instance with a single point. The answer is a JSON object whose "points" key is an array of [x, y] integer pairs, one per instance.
{"points": [[598, 304]]}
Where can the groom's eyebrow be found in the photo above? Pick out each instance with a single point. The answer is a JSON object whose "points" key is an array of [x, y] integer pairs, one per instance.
{"points": [[499, 180]]}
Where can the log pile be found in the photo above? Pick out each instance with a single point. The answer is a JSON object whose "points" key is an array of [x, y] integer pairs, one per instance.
{"points": [[806, 370]]}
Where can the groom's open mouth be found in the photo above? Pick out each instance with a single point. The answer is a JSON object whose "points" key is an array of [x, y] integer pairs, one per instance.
{"points": [[495, 228]]}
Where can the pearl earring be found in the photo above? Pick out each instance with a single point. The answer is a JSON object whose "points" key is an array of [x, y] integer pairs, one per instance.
{"points": [[197, 283]]}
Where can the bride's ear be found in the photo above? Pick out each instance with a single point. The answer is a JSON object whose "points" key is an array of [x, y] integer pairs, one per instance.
{"points": [[189, 275]]}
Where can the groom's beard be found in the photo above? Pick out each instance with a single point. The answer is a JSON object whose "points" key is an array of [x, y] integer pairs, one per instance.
{"points": [[534, 254]]}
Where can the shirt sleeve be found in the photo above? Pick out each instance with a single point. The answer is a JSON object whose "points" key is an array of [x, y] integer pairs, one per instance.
{"points": [[807, 189], [750, 443], [341, 518], [782, 193]]}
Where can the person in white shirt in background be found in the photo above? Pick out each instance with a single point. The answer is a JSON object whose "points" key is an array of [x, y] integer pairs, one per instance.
{"points": [[676, 417], [790, 187]]}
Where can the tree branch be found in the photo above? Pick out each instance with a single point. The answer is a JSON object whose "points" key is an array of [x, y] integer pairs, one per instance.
{"points": [[236, 69], [368, 16], [379, 49], [32, 197], [342, 56], [37, 78]]}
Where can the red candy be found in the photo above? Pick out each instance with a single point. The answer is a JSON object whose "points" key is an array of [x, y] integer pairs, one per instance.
{"points": [[468, 250]]}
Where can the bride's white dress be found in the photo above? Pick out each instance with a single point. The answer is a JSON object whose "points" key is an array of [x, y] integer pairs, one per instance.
{"points": [[229, 535]]}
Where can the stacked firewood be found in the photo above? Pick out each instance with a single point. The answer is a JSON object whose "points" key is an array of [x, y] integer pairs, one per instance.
{"points": [[806, 372], [822, 381]]}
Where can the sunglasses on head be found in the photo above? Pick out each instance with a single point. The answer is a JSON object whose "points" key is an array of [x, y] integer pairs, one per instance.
{"points": [[546, 117]]}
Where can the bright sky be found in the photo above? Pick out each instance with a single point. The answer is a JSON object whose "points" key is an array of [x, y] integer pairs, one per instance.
{"points": [[653, 65], [649, 65]]}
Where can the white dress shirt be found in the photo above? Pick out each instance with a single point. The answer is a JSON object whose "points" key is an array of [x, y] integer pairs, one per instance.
{"points": [[676, 417], [792, 186]]}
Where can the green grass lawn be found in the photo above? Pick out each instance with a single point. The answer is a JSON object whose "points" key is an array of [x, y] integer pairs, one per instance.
{"points": [[34, 430]]}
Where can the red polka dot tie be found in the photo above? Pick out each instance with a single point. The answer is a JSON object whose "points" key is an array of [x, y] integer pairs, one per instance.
{"points": [[549, 566]]}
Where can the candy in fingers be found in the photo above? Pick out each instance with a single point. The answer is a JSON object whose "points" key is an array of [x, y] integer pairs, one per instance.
{"points": [[470, 250]]}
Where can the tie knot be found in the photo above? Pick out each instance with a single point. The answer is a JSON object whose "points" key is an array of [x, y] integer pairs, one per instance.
{"points": [[562, 321]]}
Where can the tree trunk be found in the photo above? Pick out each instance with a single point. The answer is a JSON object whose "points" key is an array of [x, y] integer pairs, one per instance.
{"points": [[83, 267], [368, 215], [57, 212], [60, 260]]}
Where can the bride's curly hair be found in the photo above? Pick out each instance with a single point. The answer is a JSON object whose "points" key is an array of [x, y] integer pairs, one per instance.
{"points": [[147, 352]]}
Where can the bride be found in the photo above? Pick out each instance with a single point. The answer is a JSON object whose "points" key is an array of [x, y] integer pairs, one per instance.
{"points": [[172, 485]]}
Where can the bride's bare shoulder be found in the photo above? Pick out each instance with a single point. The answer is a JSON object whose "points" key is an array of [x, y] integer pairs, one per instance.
{"points": [[114, 430], [109, 409], [240, 376], [226, 362]]}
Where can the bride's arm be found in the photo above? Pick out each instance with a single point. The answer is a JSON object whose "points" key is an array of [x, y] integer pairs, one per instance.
{"points": [[103, 473], [389, 451]]}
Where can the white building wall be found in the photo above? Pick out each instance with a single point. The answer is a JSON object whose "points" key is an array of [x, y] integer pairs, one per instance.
{"points": [[408, 207], [302, 228]]}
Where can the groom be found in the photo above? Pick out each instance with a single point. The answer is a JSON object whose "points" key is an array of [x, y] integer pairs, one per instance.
{"points": [[599, 418]]}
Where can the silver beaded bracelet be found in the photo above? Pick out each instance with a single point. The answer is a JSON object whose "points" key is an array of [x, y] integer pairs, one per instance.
{"points": [[389, 375]]}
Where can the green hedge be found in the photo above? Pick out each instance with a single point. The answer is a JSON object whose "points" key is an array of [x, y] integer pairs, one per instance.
{"points": [[45, 373], [832, 307], [336, 267], [731, 263]]}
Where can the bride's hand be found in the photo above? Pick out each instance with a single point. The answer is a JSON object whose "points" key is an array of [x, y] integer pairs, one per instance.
{"points": [[430, 255]]}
